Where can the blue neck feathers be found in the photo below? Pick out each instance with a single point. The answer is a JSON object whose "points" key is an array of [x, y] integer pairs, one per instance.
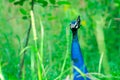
{"points": [[77, 58]]}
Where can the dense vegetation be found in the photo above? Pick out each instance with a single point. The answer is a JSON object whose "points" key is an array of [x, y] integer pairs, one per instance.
{"points": [[47, 54]]}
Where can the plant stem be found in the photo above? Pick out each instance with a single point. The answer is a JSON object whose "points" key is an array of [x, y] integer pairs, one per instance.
{"points": [[26, 44]]}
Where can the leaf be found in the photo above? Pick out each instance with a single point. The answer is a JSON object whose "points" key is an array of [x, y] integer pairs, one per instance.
{"points": [[11, 0], [23, 11], [63, 3], [21, 2], [18, 3], [24, 17], [43, 3], [52, 1]]}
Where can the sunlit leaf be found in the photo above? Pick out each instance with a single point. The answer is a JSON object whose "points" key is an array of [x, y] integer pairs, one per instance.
{"points": [[66, 7], [63, 3], [52, 1], [23, 11], [43, 3], [11, 0]]}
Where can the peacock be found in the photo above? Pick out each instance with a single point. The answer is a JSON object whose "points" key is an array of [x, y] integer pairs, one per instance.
{"points": [[76, 54]]}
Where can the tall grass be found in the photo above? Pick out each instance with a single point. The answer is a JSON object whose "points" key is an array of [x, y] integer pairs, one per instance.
{"points": [[38, 56], [1, 74], [100, 23]]}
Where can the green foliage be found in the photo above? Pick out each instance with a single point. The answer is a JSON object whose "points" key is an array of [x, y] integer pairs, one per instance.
{"points": [[23, 11], [20, 2], [63, 3], [11, 0], [24, 17], [42, 3], [52, 1]]}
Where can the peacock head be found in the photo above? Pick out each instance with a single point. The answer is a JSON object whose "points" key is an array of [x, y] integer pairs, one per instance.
{"points": [[74, 25]]}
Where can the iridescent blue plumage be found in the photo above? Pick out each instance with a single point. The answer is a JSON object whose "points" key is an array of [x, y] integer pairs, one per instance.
{"points": [[76, 52], [73, 22]]}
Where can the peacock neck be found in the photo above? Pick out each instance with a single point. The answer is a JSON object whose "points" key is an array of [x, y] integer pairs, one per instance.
{"points": [[75, 36]]}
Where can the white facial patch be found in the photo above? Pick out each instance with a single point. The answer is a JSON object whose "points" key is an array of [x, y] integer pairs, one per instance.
{"points": [[74, 25]]}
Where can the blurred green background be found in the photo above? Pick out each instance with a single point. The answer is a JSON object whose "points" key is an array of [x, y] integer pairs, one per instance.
{"points": [[49, 57]]}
